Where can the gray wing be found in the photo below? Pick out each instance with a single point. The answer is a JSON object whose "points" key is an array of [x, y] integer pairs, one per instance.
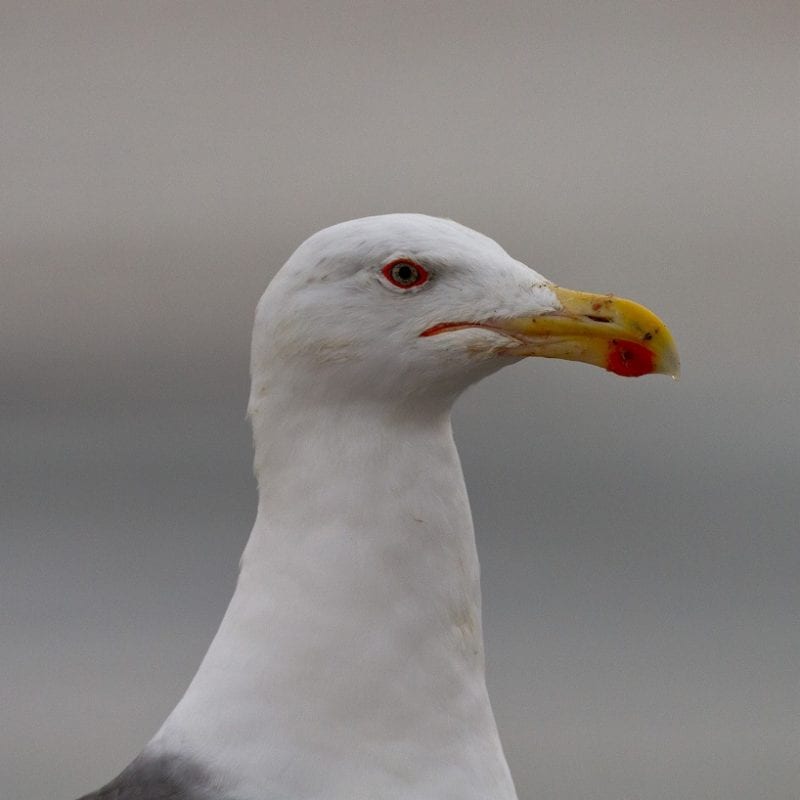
{"points": [[162, 777]]}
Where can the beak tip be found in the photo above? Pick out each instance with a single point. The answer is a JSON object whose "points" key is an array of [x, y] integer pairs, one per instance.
{"points": [[670, 360]]}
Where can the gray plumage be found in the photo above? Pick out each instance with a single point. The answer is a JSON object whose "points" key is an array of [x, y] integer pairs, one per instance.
{"points": [[162, 777]]}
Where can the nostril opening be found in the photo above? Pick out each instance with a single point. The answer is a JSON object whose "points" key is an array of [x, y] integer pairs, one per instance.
{"points": [[598, 318]]}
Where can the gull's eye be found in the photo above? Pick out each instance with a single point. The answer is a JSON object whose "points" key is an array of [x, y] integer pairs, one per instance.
{"points": [[404, 274]]}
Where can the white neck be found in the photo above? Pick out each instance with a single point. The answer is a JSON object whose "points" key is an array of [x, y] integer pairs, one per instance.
{"points": [[350, 661]]}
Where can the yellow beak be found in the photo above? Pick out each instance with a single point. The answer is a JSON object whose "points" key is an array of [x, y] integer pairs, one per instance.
{"points": [[607, 331]]}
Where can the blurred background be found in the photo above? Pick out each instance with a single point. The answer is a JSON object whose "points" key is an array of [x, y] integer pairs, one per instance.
{"points": [[639, 539]]}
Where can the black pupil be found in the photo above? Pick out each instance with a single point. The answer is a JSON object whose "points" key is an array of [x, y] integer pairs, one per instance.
{"points": [[405, 273]]}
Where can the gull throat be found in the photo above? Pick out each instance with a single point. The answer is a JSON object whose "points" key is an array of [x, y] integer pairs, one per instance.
{"points": [[352, 648]]}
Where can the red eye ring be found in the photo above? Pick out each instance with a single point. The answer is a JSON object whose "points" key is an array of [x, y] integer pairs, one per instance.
{"points": [[404, 274]]}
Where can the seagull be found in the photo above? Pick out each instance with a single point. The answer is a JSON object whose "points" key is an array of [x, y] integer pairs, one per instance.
{"points": [[350, 662]]}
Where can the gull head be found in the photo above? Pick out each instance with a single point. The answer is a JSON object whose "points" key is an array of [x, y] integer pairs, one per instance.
{"points": [[410, 306]]}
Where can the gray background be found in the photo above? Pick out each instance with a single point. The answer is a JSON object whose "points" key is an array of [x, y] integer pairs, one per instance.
{"points": [[638, 538]]}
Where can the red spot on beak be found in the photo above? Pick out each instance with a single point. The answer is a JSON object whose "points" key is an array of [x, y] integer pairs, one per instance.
{"points": [[629, 359]]}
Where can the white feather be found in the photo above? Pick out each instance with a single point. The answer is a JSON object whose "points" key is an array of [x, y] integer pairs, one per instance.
{"points": [[350, 661]]}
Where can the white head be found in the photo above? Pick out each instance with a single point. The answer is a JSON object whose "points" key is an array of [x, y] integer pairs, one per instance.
{"points": [[405, 305]]}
